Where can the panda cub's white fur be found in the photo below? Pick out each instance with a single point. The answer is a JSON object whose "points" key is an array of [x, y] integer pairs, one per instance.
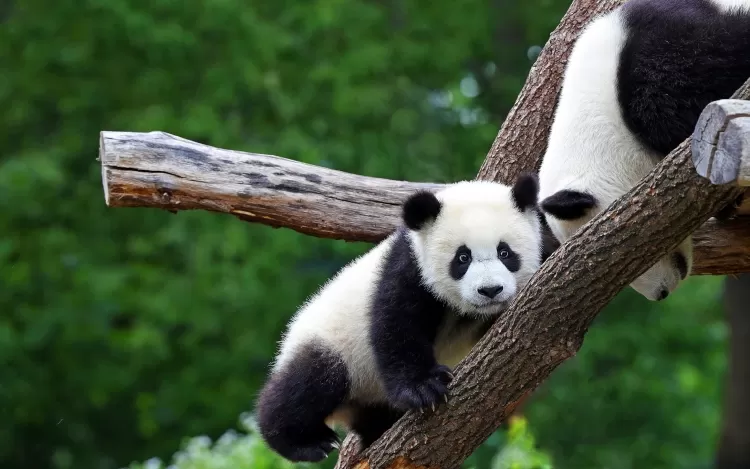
{"points": [[381, 336], [338, 315], [635, 82]]}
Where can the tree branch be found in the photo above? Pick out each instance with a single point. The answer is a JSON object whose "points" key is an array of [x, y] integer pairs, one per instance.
{"points": [[721, 142], [159, 170], [546, 323]]}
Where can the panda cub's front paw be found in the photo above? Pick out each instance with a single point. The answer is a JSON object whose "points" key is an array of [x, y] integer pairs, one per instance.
{"points": [[420, 394]]}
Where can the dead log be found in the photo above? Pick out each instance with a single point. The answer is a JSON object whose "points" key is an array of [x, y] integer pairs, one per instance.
{"points": [[721, 142], [160, 170]]}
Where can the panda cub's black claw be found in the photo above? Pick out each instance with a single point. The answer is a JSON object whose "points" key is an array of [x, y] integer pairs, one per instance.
{"points": [[425, 394], [443, 373]]}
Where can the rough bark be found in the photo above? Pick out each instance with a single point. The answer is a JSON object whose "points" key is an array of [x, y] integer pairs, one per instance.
{"points": [[734, 444], [160, 170], [546, 323], [722, 247], [721, 142]]}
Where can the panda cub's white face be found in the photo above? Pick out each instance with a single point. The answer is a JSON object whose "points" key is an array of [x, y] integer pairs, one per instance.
{"points": [[482, 247]]}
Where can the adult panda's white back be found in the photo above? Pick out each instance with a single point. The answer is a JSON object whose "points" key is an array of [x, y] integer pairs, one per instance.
{"points": [[634, 85], [588, 122], [727, 6]]}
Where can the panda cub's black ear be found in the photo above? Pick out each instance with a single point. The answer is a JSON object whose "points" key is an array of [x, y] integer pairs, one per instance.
{"points": [[525, 191], [419, 209]]}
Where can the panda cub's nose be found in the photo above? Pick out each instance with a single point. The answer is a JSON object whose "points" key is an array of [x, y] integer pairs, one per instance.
{"points": [[490, 292]]}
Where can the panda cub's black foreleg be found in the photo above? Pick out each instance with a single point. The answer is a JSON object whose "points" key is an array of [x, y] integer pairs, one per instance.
{"points": [[371, 421], [296, 400], [404, 322]]}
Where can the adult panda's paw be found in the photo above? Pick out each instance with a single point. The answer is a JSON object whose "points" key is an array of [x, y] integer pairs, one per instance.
{"points": [[425, 393]]}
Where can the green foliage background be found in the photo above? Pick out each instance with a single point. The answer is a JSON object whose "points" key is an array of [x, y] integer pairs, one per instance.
{"points": [[122, 331]]}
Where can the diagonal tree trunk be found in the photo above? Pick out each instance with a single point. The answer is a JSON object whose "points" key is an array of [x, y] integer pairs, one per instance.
{"points": [[520, 144], [546, 323]]}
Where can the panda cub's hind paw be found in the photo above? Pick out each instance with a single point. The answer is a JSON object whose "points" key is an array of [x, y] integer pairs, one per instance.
{"points": [[427, 393], [315, 452]]}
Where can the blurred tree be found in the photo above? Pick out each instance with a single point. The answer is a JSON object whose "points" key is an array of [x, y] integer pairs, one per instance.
{"points": [[734, 444]]}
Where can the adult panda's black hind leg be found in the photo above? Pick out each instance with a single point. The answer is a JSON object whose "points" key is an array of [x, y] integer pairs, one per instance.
{"points": [[371, 421], [296, 400]]}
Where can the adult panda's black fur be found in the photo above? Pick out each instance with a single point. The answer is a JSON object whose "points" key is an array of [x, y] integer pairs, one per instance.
{"points": [[380, 337], [634, 86], [679, 56]]}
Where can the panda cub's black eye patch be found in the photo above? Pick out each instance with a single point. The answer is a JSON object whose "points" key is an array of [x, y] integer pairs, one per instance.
{"points": [[509, 258], [460, 262]]}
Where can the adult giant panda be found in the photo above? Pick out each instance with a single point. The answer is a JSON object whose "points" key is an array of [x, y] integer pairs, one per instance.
{"points": [[634, 86], [382, 335]]}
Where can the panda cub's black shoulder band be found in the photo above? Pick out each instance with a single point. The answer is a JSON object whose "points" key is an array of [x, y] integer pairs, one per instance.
{"points": [[419, 209]]}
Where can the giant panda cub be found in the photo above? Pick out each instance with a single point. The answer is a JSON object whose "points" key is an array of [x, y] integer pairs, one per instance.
{"points": [[634, 86], [382, 335]]}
